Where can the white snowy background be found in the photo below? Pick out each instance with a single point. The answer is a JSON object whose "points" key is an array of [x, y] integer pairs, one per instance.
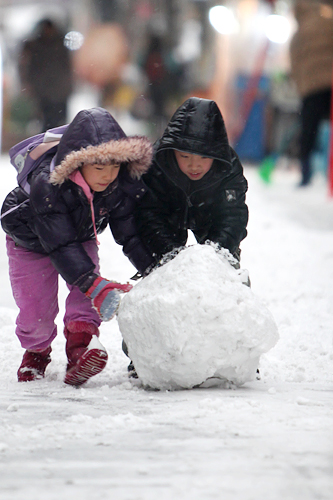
{"points": [[111, 439]]}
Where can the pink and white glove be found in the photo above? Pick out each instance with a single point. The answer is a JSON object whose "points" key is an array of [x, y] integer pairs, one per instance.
{"points": [[105, 296]]}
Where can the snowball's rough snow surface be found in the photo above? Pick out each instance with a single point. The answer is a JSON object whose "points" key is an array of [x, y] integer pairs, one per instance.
{"points": [[193, 319]]}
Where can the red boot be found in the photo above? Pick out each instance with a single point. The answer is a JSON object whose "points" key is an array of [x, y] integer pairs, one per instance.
{"points": [[33, 365], [86, 355]]}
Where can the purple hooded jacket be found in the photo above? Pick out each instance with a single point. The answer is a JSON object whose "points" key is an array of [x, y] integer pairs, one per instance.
{"points": [[56, 219]]}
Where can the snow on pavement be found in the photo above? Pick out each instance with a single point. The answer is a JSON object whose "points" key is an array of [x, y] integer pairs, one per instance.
{"points": [[111, 439]]}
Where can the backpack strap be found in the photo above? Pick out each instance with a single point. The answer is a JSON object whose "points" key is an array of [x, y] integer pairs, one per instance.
{"points": [[42, 148]]}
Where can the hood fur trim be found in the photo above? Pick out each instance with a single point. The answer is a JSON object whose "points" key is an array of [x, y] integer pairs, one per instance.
{"points": [[136, 151]]}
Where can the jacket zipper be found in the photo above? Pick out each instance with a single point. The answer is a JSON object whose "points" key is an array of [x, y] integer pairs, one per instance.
{"points": [[189, 204]]}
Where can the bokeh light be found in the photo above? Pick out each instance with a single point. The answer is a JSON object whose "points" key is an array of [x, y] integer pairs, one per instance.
{"points": [[222, 19], [73, 40], [277, 28]]}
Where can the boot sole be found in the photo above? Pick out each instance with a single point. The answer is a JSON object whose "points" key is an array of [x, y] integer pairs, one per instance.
{"points": [[91, 363]]}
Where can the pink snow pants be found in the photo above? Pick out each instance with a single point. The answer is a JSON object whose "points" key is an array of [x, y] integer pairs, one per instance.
{"points": [[34, 282]]}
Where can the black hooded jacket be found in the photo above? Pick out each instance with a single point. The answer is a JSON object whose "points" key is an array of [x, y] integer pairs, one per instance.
{"points": [[214, 207], [56, 218]]}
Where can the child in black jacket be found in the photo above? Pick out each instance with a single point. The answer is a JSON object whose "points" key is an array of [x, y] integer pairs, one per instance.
{"points": [[196, 184]]}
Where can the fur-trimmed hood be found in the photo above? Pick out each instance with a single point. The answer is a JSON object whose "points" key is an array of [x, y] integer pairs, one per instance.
{"points": [[94, 136]]}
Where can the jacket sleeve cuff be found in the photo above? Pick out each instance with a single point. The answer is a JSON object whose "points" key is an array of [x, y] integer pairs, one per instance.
{"points": [[85, 281]]}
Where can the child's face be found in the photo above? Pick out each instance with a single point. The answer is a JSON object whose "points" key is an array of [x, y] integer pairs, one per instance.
{"points": [[99, 177], [194, 166]]}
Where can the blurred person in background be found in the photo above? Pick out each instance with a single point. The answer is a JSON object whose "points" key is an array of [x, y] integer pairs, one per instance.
{"points": [[154, 66], [165, 85], [311, 53], [45, 69]]}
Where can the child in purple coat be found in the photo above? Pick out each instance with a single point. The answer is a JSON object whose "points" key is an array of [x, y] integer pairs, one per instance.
{"points": [[96, 182]]}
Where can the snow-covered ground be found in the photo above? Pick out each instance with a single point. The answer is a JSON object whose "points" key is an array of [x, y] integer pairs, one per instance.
{"points": [[110, 439]]}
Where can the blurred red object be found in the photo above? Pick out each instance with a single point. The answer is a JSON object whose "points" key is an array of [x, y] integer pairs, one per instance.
{"points": [[102, 55]]}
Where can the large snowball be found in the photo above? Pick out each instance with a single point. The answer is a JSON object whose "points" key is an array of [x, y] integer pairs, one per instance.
{"points": [[193, 319]]}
